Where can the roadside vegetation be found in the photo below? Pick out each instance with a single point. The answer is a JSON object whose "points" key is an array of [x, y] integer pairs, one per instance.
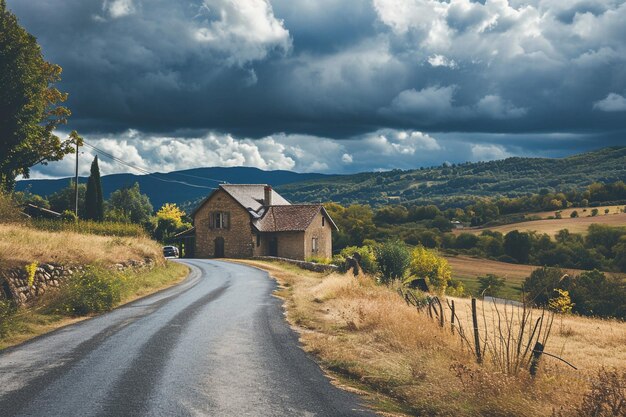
{"points": [[100, 248], [365, 334], [95, 290]]}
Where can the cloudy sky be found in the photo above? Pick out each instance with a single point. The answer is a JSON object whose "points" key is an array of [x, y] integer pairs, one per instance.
{"points": [[335, 86]]}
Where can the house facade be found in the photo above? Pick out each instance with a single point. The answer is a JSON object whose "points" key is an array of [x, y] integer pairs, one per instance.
{"points": [[246, 220]]}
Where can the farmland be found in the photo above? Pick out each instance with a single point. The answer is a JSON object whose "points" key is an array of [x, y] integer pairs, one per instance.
{"points": [[552, 226], [466, 269]]}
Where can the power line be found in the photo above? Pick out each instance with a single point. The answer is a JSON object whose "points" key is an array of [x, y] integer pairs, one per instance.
{"points": [[145, 171]]}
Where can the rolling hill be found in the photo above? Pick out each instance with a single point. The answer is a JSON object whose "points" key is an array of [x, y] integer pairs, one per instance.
{"points": [[462, 182]]}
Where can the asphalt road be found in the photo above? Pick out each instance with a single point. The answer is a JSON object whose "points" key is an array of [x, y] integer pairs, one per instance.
{"points": [[215, 345]]}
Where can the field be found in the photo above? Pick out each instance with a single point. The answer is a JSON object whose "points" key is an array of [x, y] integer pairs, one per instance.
{"points": [[552, 226], [582, 211], [368, 339], [466, 269]]}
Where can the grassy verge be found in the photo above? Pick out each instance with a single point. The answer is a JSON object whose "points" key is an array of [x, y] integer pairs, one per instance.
{"points": [[83, 296], [90, 227], [368, 338], [21, 244]]}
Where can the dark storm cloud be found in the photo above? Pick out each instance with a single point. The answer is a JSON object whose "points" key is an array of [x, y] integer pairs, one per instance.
{"points": [[496, 74]]}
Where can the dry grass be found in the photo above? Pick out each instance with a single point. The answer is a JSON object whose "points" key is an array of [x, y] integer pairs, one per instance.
{"points": [[21, 244], [588, 343], [371, 339], [552, 226]]}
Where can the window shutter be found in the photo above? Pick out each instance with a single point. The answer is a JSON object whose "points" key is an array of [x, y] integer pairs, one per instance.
{"points": [[227, 220], [211, 220]]}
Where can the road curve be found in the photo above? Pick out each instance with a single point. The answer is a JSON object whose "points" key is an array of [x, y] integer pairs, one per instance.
{"points": [[215, 345]]}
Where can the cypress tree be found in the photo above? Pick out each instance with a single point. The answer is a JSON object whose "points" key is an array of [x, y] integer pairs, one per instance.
{"points": [[94, 201]]}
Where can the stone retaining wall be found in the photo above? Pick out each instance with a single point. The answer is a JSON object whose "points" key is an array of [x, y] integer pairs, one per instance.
{"points": [[310, 266], [14, 281]]}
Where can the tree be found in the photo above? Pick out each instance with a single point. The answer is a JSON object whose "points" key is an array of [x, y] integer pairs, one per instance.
{"points": [[64, 199], [573, 214], [128, 204], [517, 245], [429, 265], [29, 105], [540, 285], [94, 202], [393, 260], [168, 221], [490, 285]]}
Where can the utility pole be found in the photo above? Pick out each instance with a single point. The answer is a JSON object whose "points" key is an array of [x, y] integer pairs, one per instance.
{"points": [[76, 184]]}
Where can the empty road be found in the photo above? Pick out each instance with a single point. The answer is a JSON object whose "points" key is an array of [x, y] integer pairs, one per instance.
{"points": [[215, 345]]}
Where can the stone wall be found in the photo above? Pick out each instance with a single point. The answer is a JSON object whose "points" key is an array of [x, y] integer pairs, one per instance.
{"points": [[14, 281], [310, 266]]}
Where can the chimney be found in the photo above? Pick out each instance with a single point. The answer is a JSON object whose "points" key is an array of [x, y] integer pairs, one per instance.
{"points": [[268, 196]]}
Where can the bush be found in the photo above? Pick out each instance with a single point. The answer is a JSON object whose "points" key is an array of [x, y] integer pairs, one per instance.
{"points": [[540, 285], [69, 216], [93, 290], [368, 259], [573, 214], [9, 211], [393, 260], [427, 264], [7, 309], [490, 285], [318, 260]]}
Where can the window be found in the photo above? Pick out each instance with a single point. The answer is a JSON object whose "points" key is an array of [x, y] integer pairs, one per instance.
{"points": [[258, 240], [323, 221], [219, 220], [314, 246]]}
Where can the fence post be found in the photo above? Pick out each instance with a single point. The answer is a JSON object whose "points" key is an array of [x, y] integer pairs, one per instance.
{"points": [[479, 358], [452, 317], [534, 362]]}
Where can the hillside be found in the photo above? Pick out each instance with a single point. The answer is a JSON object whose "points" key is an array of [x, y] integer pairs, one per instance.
{"points": [[508, 177], [174, 187]]}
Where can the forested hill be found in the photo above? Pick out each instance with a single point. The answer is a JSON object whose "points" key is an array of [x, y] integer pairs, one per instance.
{"points": [[450, 184]]}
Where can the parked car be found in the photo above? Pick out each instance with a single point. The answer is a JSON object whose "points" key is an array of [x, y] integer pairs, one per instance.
{"points": [[170, 251]]}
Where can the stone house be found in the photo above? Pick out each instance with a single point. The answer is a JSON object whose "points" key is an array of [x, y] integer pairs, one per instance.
{"points": [[246, 220]]}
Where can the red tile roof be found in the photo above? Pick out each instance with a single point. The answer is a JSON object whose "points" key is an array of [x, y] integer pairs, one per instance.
{"points": [[293, 218]]}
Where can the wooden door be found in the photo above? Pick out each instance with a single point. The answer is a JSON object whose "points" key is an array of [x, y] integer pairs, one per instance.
{"points": [[219, 247]]}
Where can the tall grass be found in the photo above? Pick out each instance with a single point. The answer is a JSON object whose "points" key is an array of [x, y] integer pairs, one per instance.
{"points": [[371, 338], [90, 227]]}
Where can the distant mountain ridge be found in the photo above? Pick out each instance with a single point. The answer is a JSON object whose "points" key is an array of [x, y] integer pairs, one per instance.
{"points": [[174, 187], [447, 184]]}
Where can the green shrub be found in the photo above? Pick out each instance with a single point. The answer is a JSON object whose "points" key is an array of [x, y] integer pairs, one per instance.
{"points": [[318, 260], [93, 290], [393, 260], [7, 309], [69, 216], [368, 258], [490, 285], [9, 210]]}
